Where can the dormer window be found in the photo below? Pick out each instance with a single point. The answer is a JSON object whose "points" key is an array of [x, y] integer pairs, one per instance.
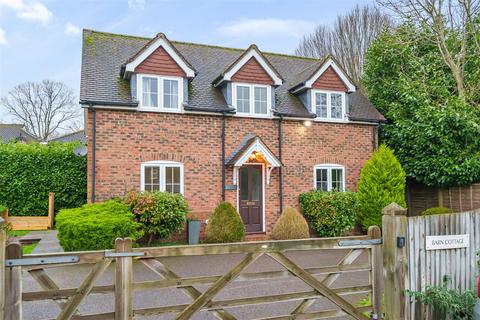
{"points": [[252, 99], [160, 93], [328, 105]]}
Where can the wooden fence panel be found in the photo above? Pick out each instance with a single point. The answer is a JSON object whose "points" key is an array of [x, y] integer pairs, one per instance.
{"points": [[429, 267]]}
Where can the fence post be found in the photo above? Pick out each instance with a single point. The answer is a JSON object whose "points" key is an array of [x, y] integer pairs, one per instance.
{"points": [[51, 206], [123, 281], [394, 228], [377, 273], [3, 243], [13, 284]]}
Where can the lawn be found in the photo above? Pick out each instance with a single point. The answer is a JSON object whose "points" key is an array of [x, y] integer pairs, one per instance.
{"points": [[28, 248]]}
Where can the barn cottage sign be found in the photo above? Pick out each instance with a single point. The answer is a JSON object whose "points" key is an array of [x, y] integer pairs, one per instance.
{"points": [[453, 241]]}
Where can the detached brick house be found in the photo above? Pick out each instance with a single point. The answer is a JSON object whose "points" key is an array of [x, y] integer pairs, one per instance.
{"points": [[253, 128]]}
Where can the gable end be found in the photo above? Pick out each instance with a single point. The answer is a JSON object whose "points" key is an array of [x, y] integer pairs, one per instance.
{"points": [[252, 72], [160, 63], [329, 80]]}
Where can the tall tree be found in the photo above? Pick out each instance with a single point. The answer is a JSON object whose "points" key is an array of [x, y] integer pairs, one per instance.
{"points": [[455, 30], [43, 107], [433, 131], [348, 40]]}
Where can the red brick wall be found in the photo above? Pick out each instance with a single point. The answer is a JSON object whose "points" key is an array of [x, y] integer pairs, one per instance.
{"points": [[160, 63], [125, 139], [252, 72], [329, 80]]}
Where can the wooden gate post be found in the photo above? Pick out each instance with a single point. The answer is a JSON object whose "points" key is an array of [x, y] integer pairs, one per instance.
{"points": [[13, 284], [51, 206], [123, 281], [377, 272], [394, 228], [3, 243]]}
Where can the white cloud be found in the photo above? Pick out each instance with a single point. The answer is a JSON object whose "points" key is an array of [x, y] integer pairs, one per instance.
{"points": [[71, 30], [3, 38], [267, 27], [34, 11], [136, 4]]}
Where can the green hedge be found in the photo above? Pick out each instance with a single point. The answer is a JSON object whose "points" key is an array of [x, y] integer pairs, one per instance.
{"points": [[330, 214], [95, 226], [436, 210], [30, 171]]}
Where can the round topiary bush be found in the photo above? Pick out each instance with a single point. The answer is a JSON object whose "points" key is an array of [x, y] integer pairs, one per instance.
{"points": [[382, 181], [225, 225], [436, 210], [330, 214], [290, 225]]}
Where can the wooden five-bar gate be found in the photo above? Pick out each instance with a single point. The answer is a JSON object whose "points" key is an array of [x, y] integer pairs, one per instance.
{"points": [[125, 258]]}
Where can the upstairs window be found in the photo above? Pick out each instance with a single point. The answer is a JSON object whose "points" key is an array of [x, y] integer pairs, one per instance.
{"points": [[160, 93], [252, 99], [329, 177], [162, 176], [329, 105]]}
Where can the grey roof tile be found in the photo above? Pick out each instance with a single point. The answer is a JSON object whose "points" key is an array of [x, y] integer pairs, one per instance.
{"points": [[103, 55], [73, 136]]}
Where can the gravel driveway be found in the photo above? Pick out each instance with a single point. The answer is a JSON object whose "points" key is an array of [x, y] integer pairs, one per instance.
{"points": [[67, 277]]}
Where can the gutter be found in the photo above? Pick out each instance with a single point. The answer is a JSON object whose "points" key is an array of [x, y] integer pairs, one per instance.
{"points": [[222, 111], [367, 120], [90, 103], [294, 115]]}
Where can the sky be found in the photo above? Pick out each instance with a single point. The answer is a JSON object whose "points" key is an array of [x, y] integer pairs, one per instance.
{"points": [[41, 39]]}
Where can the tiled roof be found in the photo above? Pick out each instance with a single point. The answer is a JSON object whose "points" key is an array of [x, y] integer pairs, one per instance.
{"points": [[73, 136], [104, 53], [15, 132]]}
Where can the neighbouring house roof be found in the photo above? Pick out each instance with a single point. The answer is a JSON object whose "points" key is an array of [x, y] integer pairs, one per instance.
{"points": [[251, 142], [73, 136], [104, 54], [16, 132]]}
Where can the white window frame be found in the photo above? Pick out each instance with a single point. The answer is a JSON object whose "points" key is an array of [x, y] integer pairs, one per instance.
{"points": [[329, 168], [252, 100], [329, 105], [162, 165], [160, 107]]}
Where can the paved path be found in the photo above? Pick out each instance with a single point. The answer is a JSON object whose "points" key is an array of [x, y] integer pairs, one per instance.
{"points": [[48, 241], [189, 266]]}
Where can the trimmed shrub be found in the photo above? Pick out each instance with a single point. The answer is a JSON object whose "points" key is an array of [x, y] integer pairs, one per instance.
{"points": [[290, 225], [159, 213], [330, 214], [436, 210], [225, 225], [382, 181], [30, 171], [95, 226]]}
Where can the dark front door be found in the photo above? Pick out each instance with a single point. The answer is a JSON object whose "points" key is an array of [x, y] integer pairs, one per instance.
{"points": [[251, 206]]}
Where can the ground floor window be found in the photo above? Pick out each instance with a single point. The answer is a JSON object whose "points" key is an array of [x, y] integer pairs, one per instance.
{"points": [[162, 176], [329, 177]]}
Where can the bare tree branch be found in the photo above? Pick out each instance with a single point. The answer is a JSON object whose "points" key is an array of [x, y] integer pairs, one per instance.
{"points": [[446, 19], [43, 107], [348, 40]]}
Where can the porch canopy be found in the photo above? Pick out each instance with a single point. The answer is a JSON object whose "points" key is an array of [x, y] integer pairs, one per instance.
{"points": [[252, 150]]}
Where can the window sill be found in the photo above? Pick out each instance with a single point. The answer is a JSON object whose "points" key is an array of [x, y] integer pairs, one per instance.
{"points": [[158, 110], [331, 120], [249, 115]]}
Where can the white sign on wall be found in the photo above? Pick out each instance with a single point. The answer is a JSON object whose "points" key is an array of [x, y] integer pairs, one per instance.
{"points": [[447, 242]]}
